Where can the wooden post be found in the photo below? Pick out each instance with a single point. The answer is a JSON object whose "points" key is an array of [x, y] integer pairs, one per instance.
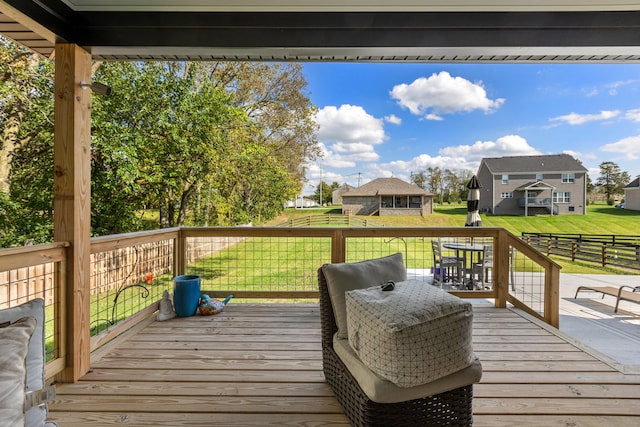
{"points": [[552, 296], [338, 247], [179, 254], [72, 199], [501, 257]]}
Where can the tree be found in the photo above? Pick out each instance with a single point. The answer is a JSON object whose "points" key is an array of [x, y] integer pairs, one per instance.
{"points": [[612, 180], [209, 143], [327, 193], [273, 98], [419, 179], [26, 155], [160, 139], [435, 183]]}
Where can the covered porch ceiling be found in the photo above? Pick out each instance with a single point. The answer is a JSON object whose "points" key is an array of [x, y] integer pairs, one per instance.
{"points": [[476, 31]]}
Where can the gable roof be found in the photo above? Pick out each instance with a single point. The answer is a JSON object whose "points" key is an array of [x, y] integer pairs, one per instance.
{"points": [[633, 184], [387, 187], [529, 164], [538, 185]]}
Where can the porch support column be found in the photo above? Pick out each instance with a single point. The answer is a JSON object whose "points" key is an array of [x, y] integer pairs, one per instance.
{"points": [[72, 200]]}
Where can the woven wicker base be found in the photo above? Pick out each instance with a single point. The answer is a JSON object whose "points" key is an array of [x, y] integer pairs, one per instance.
{"points": [[452, 408]]}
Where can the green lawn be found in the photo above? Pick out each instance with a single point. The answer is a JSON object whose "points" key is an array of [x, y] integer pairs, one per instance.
{"points": [[600, 219]]}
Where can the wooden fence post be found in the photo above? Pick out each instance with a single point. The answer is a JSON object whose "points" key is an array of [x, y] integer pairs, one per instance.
{"points": [[338, 247]]}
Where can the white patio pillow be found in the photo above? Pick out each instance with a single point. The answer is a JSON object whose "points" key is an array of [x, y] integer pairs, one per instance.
{"points": [[36, 416], [14, 342]]}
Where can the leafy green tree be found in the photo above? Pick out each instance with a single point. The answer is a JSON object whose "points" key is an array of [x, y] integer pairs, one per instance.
{"points": [[327, 193], [159, 139], [612, 180], [208, 143], [215, 134], [419, 179], [26, 154], [273, 98]]}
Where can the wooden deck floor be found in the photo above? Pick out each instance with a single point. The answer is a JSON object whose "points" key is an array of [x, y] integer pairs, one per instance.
{"points": [[260, 365]]}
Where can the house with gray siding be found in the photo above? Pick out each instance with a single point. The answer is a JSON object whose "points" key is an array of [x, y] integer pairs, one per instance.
{"points": [[632, 195], [387, 197], [530, 185], [336, 195]]}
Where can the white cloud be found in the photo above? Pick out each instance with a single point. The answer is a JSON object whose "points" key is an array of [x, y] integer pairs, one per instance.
{"points": [[349, 134], [508, 145], [348, 124], [626, 146], [443, 94], [572, 153], [633, 115], [330, 159], [591, 93], [393, 119], [432, 116], [578, 119], [458, 157], [613, 87]]}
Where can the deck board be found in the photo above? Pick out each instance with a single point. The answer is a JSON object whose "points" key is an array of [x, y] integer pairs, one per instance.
{"points": [[260, 365]]}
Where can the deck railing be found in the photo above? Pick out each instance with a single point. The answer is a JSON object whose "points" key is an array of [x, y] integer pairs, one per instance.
{"points": [[130, 272]]}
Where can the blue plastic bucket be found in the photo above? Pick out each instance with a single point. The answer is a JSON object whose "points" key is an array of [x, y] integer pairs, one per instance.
{"points": [[186, 294]]}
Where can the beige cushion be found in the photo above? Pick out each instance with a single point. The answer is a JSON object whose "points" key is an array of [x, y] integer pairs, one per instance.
{"points": [[412, 335], [14, 342], [381, 390], [36, 416], [342, 277]]}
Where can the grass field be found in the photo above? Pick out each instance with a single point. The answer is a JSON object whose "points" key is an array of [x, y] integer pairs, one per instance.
{"points": [[600, 219]]}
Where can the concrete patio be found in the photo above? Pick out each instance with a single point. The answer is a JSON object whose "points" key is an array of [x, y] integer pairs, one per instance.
{"points": [[590, 319]]}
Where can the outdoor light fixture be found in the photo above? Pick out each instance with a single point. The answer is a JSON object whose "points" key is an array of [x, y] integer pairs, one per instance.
{"points": [[97, 88]]}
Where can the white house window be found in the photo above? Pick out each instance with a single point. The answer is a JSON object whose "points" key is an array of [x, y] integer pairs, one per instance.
{"points": [[569, 178], [505, 179], [562, 197], [539, 177], [506, 195]]}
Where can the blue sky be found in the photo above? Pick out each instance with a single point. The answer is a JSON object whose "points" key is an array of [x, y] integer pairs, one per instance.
{"points": [[380, 120]]}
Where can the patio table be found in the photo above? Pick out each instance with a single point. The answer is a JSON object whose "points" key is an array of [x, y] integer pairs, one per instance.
{"points": [[471, 248]]}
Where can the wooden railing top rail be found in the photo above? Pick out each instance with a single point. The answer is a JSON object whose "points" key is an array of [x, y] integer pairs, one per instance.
{"points": [[26, 256], [117, 241]]}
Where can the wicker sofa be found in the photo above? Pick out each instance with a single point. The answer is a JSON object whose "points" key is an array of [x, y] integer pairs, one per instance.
{"points": [[451, 407]]}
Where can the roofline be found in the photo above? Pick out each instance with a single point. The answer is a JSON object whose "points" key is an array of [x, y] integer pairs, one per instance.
{"points": [[585, 34]]}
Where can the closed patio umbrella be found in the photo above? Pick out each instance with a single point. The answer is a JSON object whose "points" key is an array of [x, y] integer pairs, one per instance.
{"points": [[473, 215]]}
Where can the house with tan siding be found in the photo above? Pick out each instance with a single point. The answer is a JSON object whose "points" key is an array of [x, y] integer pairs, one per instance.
{"points": [[387, 197]]}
